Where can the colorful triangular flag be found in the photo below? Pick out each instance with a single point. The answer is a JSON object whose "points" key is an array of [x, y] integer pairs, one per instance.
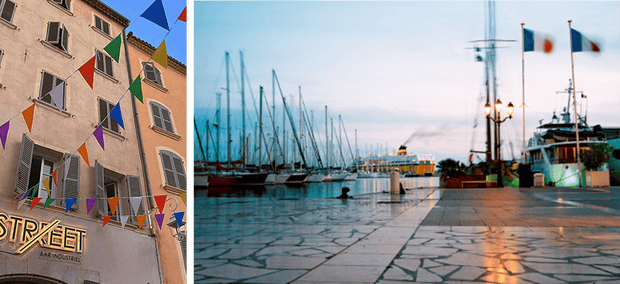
{"points": [[98, 133], [48, 201], [106, 219], [113, 202], [90, 202], [160, 200], [24, 196], [34, 191], [88, 71], [15, 198], [84, 153], [114, 48], [21, 202], [46, 184], [183, 16], [58, 94], [4, 133], [54, 174], [156, 14], [70, 202], [179, 217], [124, 220], [28, 115], [184, 198], [136, 88], [140, 219], [160, 219], [116, 114], [161, 55], [135, 203], [67, 165], [34, 202]]}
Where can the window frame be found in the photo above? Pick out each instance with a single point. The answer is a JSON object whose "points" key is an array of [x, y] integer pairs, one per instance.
{"points": [[157, 78], [123, 191], [108, 123], [117, 193], [1, 56], [174, 170], [106, 61], [3, 5], [161, 118], [65, 4], [61, 39], [42, 95], [103, 24]]}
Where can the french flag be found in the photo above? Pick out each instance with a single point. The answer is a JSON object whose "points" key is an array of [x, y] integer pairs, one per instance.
{"points": [[534, 41], [581, 43]]}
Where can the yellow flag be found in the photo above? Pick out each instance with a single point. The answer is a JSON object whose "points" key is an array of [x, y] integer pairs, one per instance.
{"points": [[161, 56], [46, 183], [183, 197]]}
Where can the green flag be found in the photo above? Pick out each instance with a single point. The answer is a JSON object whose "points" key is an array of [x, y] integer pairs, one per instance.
{"points": [[34, 190], [48, 201], [136, 88], [114, 48]]}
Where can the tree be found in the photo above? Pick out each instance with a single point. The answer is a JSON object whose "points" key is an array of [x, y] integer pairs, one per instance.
{"points": [[451, 168], [597, 155]]}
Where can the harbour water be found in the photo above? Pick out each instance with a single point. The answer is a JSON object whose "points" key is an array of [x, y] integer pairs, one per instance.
{"points": [[359, 186]]}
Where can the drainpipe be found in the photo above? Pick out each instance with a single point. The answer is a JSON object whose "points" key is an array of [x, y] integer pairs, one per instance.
{"points": [[142, 158]]}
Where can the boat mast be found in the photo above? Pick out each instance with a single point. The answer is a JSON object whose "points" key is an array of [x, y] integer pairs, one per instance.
{"points": [[356, 153], [572, 66], [228, 112], [491, 79], [260, 133], [217, 126], [301, 124], [200, 141], [243, 142], [326, 141]]}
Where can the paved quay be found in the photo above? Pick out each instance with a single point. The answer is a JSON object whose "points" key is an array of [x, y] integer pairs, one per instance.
{"points": [[429, 235]]}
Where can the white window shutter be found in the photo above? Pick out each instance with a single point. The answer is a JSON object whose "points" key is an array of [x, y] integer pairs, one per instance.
{"points": [[133, 183], [165, 115], [179, 172], [100, 193], [71, 185], [53, 32], [166, 161], [65, 39], [24, 163], [156, 115]]}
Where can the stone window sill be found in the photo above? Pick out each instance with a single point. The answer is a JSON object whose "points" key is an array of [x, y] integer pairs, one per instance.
{"points": [[58, 50], [106, 76], [52, 108], [61, 8], [172, 189], [112, 133], [165, 132], [102, 32], [8, 24], [155, 85]]}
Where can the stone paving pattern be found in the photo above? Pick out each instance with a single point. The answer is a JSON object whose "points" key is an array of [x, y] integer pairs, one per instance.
{"points": [[469, 236]]}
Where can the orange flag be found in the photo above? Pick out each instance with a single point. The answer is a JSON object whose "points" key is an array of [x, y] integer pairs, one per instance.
{"points": [[88, 71], [161, 201], [34, 202], [105, 220], [113, 202], [29, 116], [183, 16], [140, 220], [84, 153], [54, 176]]}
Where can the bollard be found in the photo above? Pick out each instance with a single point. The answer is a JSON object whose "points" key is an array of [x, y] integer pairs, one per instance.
{"points": [[395, 181], [345, 193]]}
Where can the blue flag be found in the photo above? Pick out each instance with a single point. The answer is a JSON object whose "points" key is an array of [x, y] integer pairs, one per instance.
{"points": [[115, 113], [70, 202], [179, 217], [156, 14]]}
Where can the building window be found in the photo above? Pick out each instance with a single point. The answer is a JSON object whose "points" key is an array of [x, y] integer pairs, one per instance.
{"points": [[161, 117], [174, 172], [102, 25], [48, 82], [36, 163], [104, 118], [110, 184], [152, 73], [7, 10], [104, 63], [1, 54], [58, 36], [63, 3]]}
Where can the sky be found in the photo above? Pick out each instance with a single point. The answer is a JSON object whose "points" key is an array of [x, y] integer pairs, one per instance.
{"points": [[176, 42], [393, 69]]}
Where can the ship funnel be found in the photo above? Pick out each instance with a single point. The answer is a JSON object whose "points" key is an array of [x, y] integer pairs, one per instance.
{"points": [[402, 151]]}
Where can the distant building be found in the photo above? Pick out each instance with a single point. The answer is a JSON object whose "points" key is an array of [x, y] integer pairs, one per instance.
{"points": [[42, 42], [163, 129]]}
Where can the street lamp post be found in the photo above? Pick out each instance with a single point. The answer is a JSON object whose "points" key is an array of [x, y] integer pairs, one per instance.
{"points": [[498, 121]]}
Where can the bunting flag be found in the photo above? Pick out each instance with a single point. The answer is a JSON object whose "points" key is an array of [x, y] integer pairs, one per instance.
{"points": [[34, 191], [160, 200], [183, 197], [48, 201], [21, 202], [115, 113], [114, 48], [15, 198], [179, 217], [24, 196], [140, 219], [156, 14], [98, 133], [136, 88], [160, 219], [535, 41], [34, 202], [135, 203], [54, 174], [28, 115], [84, 153], [67, 165], [183, 16], [581, 43], [4, 133], [58, 95], [160, 55], [113, 202], [88, 71], [124, 220], [70, 202], [46, 184], [105, 220], [90, 202]]}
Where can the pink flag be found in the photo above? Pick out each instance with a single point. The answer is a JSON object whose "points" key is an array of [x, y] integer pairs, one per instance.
{"points": [[98, 133], [4, 133]]}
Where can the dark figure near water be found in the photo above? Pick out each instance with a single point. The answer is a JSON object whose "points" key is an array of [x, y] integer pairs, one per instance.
{"points": [[345, 193]]}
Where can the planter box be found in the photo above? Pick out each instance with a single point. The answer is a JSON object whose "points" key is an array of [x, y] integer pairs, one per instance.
{"points": [[597, 178]]}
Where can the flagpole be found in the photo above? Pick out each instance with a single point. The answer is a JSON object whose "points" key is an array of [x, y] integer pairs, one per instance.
{"points": [[572, 65], [523, 90]]}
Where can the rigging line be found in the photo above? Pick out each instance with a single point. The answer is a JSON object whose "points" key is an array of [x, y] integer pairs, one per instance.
{"points": [[262, 134], [346, 136]]}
